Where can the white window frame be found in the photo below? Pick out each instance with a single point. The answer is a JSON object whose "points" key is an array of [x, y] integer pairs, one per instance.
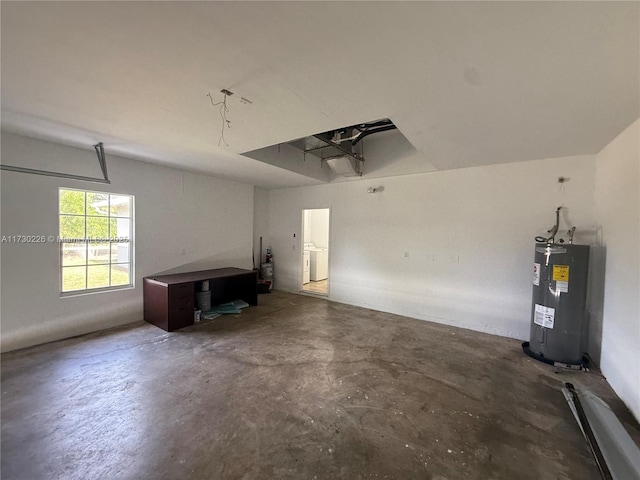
{"points": [[131, 262]]}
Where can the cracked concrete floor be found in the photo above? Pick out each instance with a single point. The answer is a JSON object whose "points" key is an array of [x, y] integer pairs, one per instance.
{"points": [[298, 388]]}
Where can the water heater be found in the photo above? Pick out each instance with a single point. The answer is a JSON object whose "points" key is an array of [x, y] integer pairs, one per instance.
{"points": [[558, 310]]}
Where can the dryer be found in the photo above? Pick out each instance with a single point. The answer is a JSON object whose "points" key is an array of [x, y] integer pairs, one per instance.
{"points": [[319, 268]]}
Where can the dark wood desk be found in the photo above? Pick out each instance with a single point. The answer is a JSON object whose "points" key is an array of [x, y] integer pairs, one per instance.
{"points": [[169, 299]]}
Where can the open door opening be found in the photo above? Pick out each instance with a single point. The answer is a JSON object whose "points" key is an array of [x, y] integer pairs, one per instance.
{"points": [[315, 251]]}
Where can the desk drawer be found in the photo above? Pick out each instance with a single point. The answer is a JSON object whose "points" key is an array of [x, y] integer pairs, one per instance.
{"points": [[180, 317], [181, 295]]}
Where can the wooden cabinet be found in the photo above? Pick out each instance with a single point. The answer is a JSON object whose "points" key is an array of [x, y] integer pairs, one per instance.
{"points": [[169, 300]]}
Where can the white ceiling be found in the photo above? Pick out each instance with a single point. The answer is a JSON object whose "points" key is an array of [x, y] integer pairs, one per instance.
{"points": [[467, 83]]}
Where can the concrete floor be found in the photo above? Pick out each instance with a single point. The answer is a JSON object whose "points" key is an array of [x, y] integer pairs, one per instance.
{"points": [[298, 388]]}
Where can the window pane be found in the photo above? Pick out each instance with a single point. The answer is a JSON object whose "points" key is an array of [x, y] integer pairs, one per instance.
{"points": [[120, 274], [98, 253], [71, 227], [113, 227], [97, 203], [97, 227], [120, 228], [120, 205], [97, 276], [72, 201], [74, 278], [120, 252], [74, 254]]}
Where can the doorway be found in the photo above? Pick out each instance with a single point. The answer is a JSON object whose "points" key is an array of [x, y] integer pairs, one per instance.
{"points": [[315, 251]]}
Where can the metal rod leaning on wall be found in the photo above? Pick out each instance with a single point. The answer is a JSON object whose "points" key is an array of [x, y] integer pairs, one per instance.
{"points": [[102, 160], [588, 433]]}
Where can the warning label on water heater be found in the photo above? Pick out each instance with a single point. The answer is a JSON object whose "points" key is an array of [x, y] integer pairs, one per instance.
{"points": [[561, 273], [544, 316], [536, 274]]}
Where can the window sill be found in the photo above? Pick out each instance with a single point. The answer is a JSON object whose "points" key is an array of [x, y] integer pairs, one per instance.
{"points": [[81, 293]]}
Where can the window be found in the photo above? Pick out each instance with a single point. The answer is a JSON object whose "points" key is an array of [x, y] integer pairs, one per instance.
{"points": [[96, 233]]}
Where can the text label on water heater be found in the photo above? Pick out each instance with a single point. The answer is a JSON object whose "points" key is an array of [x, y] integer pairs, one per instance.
{"points": [[561, 273], [544, 316]]}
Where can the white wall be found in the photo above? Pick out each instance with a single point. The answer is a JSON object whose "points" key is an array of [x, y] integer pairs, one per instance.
{"points": [[617, 206], [260, 224], [183, 221], [467, 234], [306, 227], [319, 227]]}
